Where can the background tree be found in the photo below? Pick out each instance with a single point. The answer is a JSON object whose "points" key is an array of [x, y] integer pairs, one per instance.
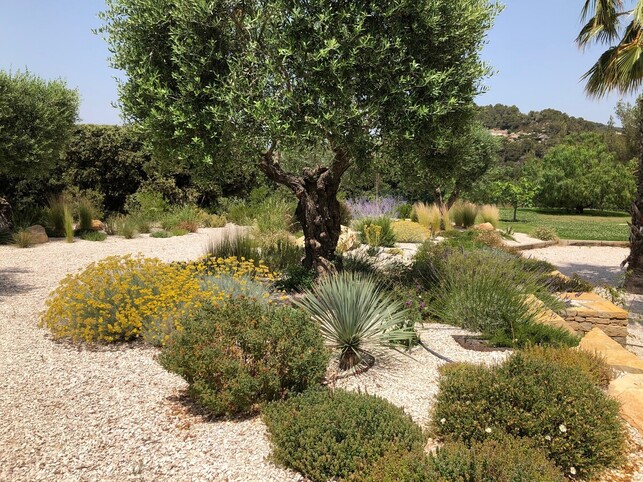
{"points": [[620, 68], [581, 173], [233, 83], [514, 192], [37, 118]]}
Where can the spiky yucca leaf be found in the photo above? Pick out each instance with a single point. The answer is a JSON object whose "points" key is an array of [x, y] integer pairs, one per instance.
{"points": [[356, 317]]}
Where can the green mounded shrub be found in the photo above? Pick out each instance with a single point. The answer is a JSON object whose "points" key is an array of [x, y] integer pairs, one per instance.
{"points": [[161, 234], [331, 434], [376, 231], [243, 353], [506, 459], [481, 291], [149, 205], [93, 236], [589, 364], [559, 408], [545, 233], [404, 211], [296, 279], [179, 231]]}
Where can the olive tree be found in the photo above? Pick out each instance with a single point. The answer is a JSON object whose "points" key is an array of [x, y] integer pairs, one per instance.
{"points": [[232, 83]]}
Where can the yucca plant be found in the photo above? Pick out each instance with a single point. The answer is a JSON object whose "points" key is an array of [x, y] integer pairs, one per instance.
{"points": [[490, 214], [428, 215], [357, 318]]}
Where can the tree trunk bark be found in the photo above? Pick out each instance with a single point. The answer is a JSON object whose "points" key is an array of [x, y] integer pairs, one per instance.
{"points": [[318, 208], [515, 219], [634, 262]]}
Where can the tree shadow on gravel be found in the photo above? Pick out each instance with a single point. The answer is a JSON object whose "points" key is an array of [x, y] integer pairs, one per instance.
{"points": [[183, 405], [10, 285]]}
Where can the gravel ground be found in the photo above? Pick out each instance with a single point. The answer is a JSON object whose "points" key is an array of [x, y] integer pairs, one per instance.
{"points": [[73, 413]]}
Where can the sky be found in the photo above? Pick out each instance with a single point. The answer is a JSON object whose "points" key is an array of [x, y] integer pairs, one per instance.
{"points": [[531, 49]]}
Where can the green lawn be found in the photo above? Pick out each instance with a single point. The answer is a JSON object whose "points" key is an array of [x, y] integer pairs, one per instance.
{"points": [[592, 225]]}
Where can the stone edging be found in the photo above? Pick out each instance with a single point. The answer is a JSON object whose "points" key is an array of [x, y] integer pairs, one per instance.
{"points": [[573, 242]]}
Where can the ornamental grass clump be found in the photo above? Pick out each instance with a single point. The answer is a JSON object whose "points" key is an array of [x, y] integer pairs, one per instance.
{"points": [[357, 318], [239, 354], [490, 214], [428, 216], [329, 435], [410, 232], [122, 298], [555, 405], [86, 214], [463, 213], [22, 239]]}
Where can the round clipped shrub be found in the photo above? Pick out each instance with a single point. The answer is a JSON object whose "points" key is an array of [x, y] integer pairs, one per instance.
{"points": [[558, 407], [324, 434], [506, 459], [545, 233], [121, 298], [243, 353]]}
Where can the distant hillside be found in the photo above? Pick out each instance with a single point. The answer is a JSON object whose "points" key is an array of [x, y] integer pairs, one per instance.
{"points": [[530, 134]]}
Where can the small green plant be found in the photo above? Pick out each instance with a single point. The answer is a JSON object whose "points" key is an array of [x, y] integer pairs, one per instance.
{"points": [[22, 239], [161, 234], [243, 353], [187, 217], [127, 228], [147, 204], [55, 214], [179, 232], [296, 278], [553, 404], [213, 220], [93, 236], [490, 214], [404, 211], [281, 253], [86, 214], [376, 231], [328, 435], [545, 233], [356, 317], [68, 219]]}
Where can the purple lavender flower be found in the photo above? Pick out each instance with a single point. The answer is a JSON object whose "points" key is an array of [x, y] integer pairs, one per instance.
{"points": [[374, 208]]}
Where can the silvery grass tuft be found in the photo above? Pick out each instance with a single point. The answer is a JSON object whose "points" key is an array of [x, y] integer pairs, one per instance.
{"points": [[357, 318]]}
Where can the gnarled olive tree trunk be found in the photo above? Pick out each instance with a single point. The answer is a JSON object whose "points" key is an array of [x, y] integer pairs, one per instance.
{"points": [[634, 262], [318, 208]]}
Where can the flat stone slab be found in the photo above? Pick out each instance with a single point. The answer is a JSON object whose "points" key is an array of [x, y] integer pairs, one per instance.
{"points": [[592, 305], [548, 317], [615, 355], [628, 390]]}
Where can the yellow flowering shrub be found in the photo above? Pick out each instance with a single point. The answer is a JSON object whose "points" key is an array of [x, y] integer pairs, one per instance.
{"points": [[122, 298]]}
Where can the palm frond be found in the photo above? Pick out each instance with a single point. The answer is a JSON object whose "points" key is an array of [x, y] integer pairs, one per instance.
{"points": [[602, 21]]}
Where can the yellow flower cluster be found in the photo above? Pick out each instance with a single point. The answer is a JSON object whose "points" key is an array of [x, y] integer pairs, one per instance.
{"points": [[122, 297]]}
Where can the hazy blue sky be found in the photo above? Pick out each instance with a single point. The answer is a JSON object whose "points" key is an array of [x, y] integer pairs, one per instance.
{"points": [[531, 47]]}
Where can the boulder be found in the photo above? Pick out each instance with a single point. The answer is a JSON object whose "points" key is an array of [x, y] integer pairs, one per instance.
{"points": [[97, 225], [37, 234], [615, 355], [484, 227], [5, 215]]}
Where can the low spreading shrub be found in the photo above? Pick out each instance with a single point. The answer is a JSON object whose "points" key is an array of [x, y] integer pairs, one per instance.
{"points": [[330, 435], [356, 317], [506, 459], [410, 232], [242, 353], [93, 236], [545, 233], [122, 298], [161, 234], [559, 408], [376, 231]]}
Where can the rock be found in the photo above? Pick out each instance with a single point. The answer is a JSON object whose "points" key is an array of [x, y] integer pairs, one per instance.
{"points": [[484, 227], [38, 234], [615, 355], [5, 215], [97, 225], [347, 240], [628, 390]]}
